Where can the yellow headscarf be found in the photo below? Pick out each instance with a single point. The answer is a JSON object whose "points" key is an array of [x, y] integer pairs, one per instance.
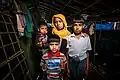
{"points": [[61, 33]]}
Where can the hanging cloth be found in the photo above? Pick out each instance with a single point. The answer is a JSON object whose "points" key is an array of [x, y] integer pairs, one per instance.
{"points": [[22, 20], [29, 24], [19, 26]]}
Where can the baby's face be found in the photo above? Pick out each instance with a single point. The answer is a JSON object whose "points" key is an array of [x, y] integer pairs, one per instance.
{"points": [[43, 29]]}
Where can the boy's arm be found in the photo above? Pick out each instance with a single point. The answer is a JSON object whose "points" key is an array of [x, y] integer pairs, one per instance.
{"points": [[89, 48], [68, 70], [63, 62], [67, 56]]}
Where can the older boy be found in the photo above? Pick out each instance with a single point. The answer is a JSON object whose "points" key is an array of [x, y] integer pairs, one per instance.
{"points": [[78, 45]]}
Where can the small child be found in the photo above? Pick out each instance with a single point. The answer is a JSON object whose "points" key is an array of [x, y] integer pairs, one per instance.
{"points": [[42, 37], [53, 62]]}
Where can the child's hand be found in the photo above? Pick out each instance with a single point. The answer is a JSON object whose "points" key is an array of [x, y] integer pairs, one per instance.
{"points": [[68, 72], [44, 67], [39, 44], [62, 64]]}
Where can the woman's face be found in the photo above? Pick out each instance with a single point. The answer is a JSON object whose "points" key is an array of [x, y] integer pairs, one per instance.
{"points": [[58, 23]]}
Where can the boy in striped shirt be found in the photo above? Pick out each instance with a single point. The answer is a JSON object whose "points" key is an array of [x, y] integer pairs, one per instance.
{"points": [[53, 62]]}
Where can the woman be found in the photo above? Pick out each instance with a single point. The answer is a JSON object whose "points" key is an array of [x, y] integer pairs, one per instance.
{"points": [[59, 25]]}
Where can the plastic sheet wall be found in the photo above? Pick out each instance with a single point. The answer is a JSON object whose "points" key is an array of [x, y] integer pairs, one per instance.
{"points": [[105, 26]]}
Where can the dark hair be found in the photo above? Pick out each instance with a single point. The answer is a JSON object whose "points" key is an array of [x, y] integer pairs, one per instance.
{"points": [[78, 19], [42, 24], [53, 38]]}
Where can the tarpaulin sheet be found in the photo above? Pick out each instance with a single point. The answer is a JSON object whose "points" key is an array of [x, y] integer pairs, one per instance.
{"points": [[105, 26]]}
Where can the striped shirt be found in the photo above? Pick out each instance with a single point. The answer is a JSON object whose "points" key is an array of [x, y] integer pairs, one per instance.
{"points": [[53, 63]]}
